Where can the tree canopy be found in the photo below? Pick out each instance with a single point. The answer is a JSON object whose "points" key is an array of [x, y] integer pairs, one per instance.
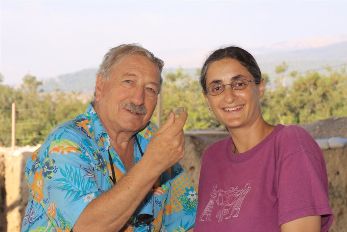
{"points": [[290, 98]]}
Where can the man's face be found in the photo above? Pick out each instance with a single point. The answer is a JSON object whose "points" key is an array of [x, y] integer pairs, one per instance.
{"points": [[126, 100]]}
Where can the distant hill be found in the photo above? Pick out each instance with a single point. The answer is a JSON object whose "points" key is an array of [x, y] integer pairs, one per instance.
{"points": [[334, 55], [81, 81]]}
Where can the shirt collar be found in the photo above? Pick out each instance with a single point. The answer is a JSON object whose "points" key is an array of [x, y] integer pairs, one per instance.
{"points": [[99, 134]]}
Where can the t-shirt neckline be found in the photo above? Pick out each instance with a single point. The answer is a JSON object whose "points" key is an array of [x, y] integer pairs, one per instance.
{"points": [[240, 157]]}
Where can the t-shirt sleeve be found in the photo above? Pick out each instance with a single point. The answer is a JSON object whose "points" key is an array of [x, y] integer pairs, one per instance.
{"points": [[63, 183], [181, 202], [302, 184]]}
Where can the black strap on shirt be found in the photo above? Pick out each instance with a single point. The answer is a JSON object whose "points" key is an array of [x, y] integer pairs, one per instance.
{"points": [[113, 177]]}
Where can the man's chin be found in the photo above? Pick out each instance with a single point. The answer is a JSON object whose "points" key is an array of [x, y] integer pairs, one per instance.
{"points": [[134, 127]]}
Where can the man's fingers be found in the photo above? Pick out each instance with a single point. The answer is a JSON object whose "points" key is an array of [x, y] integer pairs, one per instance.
{"points": [[169, 122], [180, 120], [175, 121]]}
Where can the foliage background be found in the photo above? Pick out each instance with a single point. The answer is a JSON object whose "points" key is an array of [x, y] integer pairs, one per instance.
{"points": [[290, 98]]}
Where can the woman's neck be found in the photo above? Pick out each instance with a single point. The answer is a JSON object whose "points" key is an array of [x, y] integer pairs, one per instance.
{"points": [[245, 138]]}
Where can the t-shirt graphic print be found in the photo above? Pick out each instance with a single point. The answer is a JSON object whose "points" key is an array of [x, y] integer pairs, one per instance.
{"points": [[224, 204]]}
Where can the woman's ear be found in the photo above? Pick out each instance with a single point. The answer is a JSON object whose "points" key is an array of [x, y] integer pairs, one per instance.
{"points": [[261, 87], [207, 103]]}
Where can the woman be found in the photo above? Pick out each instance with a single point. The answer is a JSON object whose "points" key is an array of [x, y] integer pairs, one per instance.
{"points": [[263, 177]]}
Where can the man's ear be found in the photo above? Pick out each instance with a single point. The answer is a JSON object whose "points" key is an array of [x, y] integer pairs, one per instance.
{"points": [[99, 86]]}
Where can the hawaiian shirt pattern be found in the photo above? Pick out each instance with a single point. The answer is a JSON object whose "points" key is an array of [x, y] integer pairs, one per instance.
{"points": [[72, 168]]}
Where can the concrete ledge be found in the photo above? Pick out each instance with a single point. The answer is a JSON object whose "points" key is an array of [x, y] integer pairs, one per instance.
{"points": [[332, 143]]}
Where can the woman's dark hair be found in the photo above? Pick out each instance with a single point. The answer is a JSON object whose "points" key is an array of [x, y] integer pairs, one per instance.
{"points": [[232, 52]]}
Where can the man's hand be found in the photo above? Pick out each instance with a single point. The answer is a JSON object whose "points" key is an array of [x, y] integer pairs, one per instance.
{"points": [[167, 146]]}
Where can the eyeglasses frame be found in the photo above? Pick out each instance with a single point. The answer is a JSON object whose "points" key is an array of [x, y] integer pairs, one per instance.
{"points": [[231, 85]]}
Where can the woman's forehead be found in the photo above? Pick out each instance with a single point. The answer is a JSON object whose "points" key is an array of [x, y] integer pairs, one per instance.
{"points": [[226, 70]]}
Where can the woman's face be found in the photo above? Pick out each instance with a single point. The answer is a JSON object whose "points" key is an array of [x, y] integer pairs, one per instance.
{"points": [[234, 108]]}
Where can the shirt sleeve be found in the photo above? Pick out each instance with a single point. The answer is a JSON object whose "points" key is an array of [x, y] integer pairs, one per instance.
{"points": [[63, 182], [181, 202], [302, 186]]}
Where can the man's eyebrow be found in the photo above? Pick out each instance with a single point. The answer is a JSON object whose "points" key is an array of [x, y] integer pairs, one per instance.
{"points": [[156, 82], [129, 74]]}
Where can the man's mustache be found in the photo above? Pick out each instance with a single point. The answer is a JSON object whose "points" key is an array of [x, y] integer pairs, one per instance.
{"points": [[133, 108]]}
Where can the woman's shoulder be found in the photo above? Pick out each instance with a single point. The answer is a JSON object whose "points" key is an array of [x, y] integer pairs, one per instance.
{"points": [[295, 139], [294, 133]]}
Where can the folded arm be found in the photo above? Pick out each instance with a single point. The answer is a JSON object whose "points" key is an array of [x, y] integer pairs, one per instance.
{"points": [[111, 210]]}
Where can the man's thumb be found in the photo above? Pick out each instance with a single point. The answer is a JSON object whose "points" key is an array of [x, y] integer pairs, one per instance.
{"points": [[169, 122]]}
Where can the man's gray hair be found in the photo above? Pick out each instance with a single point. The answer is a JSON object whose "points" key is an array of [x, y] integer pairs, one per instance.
{"points": [[116, 53]]}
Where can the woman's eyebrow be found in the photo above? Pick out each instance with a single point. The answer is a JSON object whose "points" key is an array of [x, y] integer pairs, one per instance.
{"points": [[233, 78], [215, 82], [237, 77]]}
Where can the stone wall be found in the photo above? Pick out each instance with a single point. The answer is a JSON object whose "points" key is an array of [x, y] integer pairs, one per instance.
{"points": [[16, 190], [336, 161], [15, 197]]}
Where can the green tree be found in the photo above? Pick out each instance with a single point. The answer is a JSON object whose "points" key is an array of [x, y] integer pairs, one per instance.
{"points": [[181, 89], [311, 97], [282, 68], [7, 96], [30, 84], [37, 113]]}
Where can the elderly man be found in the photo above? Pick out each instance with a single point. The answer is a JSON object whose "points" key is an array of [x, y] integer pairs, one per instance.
{"points": [[106, 170]]}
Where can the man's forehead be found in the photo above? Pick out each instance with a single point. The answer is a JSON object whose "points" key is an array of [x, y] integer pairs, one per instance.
{"points": [[134, 61], [132, 70], [132, 58]]}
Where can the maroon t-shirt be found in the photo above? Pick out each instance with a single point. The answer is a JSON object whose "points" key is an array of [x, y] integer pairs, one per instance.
{"points": [[281, 179]]}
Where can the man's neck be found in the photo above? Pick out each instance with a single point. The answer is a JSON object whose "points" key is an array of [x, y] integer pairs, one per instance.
{"points": [[125, 151], [121, 141]]}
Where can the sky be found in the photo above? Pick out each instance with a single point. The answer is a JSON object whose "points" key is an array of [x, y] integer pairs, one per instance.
{"points": [[47, 38]]}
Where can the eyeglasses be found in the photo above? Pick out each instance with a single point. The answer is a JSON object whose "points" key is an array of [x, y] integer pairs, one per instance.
{"points": [[139, 219], [216, 88]]}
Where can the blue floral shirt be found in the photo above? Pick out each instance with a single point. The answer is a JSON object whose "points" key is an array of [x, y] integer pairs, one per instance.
{"points": [[72, 168]]}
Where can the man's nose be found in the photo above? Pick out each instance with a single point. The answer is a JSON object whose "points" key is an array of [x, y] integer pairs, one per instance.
{"points": [[138, 96]]}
